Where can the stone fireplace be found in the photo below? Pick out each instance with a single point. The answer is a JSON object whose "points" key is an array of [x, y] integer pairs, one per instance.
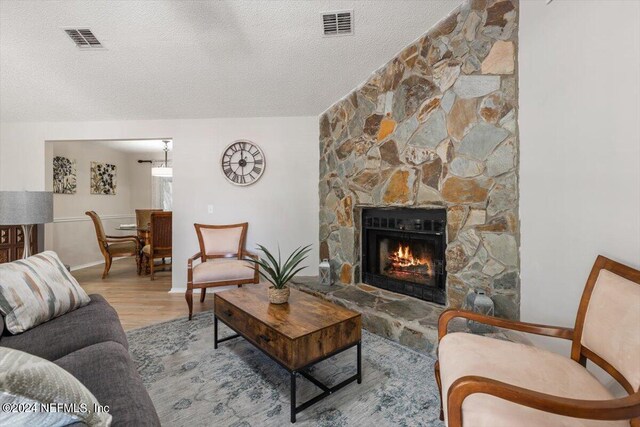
{"points": [[434, 129], [403, 251]]}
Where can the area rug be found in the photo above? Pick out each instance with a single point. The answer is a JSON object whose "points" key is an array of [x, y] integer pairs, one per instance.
{"points": [[192, 384]]}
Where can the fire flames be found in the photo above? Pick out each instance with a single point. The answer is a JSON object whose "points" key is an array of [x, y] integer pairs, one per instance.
{"points": [[403, 259]]}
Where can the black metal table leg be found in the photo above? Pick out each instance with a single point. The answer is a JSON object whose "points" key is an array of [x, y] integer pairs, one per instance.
{"points": [[293, 396], [216, 340], [359, 362], [215, 332]]}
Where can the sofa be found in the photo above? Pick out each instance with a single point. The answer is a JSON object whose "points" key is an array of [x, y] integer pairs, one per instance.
{"points": [[91, 345]]}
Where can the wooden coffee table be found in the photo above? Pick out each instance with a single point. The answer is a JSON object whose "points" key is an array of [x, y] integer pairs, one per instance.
{"points": [[301, 333]]}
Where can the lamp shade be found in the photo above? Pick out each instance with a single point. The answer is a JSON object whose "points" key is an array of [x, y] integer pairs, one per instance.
{"points": [[26, 207]]}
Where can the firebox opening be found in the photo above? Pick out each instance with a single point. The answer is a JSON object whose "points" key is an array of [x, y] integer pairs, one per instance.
{"points": [[409, 259], [403, 251]]}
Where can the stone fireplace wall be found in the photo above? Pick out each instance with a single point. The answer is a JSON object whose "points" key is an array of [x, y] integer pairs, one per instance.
{"points": [[436, 126]]}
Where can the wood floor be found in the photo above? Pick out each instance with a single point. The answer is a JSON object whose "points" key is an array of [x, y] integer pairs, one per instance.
{"points": [[138, 300]]}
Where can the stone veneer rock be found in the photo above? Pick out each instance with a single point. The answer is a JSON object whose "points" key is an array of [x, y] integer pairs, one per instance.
{"points": [[434, 127]]}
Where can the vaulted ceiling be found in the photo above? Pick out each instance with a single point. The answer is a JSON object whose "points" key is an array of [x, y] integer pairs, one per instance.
{"points": [[194, 59]]}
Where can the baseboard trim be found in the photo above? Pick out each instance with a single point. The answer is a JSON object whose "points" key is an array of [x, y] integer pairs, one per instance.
{"points": [[91, 264], [87, 265]]}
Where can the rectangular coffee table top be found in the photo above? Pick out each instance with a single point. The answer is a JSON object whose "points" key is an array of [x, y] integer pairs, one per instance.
{"points": [[303, 314]]}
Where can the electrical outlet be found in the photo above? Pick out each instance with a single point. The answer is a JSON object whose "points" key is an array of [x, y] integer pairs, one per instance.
{"points": [[209, 208]]}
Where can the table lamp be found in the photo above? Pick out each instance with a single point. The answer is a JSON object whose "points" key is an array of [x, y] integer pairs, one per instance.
{"points": [[26, 208]]}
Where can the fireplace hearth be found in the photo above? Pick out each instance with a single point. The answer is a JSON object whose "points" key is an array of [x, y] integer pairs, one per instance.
{"points": [[403, 251]]}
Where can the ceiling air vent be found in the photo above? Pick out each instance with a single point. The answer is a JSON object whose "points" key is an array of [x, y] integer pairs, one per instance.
{"points": [[338, 23], [83, 38]]}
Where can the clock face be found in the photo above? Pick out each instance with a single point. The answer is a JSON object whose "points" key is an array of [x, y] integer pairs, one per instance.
{"points": [[242, 163]]}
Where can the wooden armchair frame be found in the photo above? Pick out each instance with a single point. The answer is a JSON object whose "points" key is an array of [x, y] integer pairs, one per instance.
{"points": [[241, 253], [159, 231], [615, 409], [104, 240], [143, 219]]}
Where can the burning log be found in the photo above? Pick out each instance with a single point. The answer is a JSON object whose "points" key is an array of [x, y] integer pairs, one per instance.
{"points": [[402, 260]]}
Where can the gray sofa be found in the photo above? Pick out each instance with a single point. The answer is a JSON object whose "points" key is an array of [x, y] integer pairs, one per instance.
{"points": [[90, 344]]}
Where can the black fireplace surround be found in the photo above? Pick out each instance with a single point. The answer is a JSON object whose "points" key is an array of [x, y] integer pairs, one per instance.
{"points": [[403, 251]]}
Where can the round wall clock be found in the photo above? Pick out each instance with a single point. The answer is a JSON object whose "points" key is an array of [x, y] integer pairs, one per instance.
{"points": [[242, 162]]}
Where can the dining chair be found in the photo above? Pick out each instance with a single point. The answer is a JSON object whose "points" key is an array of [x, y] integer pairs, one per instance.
{"points": [[143, 218], [489, 382], [114, 246], [222, 254], [160, 241]]}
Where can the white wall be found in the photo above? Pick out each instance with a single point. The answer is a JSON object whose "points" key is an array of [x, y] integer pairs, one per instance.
{"points": [[580, 148], [84, 152], [281, 208], [72, 235], [140, 193]]}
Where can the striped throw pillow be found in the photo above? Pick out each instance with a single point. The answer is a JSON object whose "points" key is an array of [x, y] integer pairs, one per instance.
{"points": [[36, 392], [36, 290]]}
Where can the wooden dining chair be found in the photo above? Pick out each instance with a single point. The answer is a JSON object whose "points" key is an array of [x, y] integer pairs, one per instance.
{"points": [[222, 254], [160, 241], [114, 246], [143, 218], [489, 382]]}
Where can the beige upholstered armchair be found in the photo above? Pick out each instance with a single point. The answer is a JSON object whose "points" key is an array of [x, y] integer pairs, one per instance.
{"points": [[488, 382], [114, 246], [221, 254]]}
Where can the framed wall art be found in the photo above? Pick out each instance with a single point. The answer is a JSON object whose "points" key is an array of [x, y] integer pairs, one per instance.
{"points": [[64, 175], [103, 178]]}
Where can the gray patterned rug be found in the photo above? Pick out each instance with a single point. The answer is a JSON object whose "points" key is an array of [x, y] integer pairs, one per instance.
{"points": [[192, 384]]}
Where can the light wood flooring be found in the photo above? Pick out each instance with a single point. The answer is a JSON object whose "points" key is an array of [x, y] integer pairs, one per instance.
{"points": [[138, 300]]}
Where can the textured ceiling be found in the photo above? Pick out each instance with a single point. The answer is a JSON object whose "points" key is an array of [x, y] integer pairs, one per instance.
{"points": [[194, 59]]}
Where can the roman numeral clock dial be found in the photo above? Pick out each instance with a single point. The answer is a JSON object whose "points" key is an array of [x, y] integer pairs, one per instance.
{"points": [[242, 162]]}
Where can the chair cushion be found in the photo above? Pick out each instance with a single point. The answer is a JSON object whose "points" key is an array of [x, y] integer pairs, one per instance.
{"points": [[461, 354], [106, 369], [37, 289], [220, 270], [94, 323], [122, 248], [157, 253]]}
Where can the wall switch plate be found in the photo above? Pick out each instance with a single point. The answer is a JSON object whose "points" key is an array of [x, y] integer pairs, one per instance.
{"points": [[210, 208]]}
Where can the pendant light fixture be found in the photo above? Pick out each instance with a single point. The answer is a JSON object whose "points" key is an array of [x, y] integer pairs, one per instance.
{"points": [[164, 170]]}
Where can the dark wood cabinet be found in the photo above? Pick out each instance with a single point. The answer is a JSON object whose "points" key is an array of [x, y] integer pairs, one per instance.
{"points": [[12, 242]]}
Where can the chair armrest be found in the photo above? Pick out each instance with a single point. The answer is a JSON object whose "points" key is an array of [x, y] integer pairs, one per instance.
{"points": [[256, 267], [193, 258], [250, 254], [614, 409], [532, 328]]}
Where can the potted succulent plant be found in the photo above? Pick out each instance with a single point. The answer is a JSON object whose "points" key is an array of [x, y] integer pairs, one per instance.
{"points": [[279, 273]]}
